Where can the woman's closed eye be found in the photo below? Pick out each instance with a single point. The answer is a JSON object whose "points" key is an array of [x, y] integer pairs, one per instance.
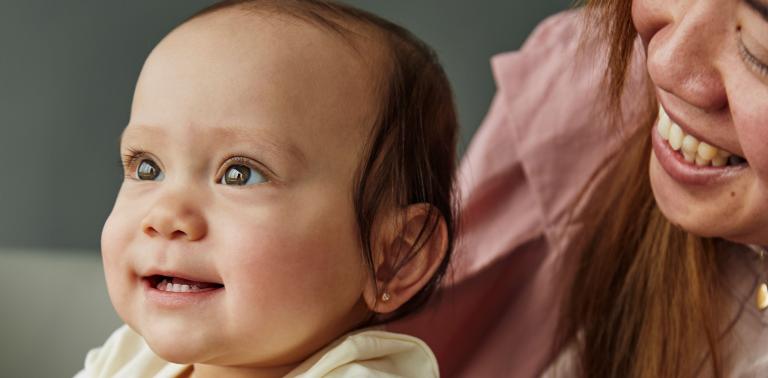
{"points": [[752, 60], [751, 32]]}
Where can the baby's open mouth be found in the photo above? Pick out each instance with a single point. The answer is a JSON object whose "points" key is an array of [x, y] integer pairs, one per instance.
{"points": [[181, 285]]}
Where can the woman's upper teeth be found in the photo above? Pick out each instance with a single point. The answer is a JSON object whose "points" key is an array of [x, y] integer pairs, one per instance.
{"points": [[694, 150]]}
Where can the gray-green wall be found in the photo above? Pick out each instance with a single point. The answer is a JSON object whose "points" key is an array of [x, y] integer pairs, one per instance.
{"points": [[67, 70]]}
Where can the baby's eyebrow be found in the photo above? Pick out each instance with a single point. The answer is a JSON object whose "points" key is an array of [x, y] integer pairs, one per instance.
{"points": [[141, 129], [279, 145], [275, 145]]}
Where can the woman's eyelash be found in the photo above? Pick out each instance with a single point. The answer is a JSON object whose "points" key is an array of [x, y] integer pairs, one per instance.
{"points": [[747, 56]]}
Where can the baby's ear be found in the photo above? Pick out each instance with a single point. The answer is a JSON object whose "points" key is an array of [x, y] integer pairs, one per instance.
{"points": [[407, 253]]}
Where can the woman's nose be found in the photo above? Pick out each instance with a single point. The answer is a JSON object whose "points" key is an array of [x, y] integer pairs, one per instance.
{"points": [[175, 216], [683, 51]]}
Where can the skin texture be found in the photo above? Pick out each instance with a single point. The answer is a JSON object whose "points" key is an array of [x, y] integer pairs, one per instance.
{"points": [[700, 76], [295, 103]]}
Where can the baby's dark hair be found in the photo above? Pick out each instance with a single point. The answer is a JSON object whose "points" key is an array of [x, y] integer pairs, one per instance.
{"points": [[410, 156]]}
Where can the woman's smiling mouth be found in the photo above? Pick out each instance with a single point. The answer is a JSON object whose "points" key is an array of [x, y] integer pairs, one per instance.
{"points": [[689, 160], [691, 148]]}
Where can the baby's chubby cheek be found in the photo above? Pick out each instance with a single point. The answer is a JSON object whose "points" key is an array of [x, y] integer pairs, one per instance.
{"points": [[117, 269], [293, 267]]}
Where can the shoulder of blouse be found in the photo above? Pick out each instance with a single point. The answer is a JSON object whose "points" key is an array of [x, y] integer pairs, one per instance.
{"points": [[544, 137], [537, 147]]}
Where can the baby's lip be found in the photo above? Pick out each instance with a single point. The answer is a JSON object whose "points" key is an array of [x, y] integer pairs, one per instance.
{"points": [[156, 276]]}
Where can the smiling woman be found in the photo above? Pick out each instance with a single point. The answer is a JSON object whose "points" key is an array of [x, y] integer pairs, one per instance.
{"points": [[616, 200], [668, 275]]}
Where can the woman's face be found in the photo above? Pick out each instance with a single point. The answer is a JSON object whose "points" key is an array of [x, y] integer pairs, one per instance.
{"points": [[708, 62]]}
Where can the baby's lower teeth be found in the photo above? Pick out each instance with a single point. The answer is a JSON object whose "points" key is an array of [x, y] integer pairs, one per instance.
{"points": [[164, 285]]}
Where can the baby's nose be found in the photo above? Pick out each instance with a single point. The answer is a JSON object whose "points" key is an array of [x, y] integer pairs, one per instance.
{"points": [[175, 219]]}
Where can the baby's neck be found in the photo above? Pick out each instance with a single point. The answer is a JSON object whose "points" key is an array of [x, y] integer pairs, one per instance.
{"points": [[211, 371]]}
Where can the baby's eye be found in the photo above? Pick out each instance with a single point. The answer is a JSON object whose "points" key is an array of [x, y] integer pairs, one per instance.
{"points": [[239, 174], [148, 171]]}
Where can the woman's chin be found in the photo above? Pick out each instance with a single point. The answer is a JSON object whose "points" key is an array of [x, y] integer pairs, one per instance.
{"points": [[698, 214], [715, 212]]}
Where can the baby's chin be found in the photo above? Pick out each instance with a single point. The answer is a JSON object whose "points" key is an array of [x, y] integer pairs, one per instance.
{"points": [[177, 344], [200, 350], [179, 355]]}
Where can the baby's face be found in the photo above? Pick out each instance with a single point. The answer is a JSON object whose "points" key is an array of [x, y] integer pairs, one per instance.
{"points": [[233, 239]]}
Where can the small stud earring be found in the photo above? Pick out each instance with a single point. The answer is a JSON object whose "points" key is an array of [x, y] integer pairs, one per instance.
{"points": [[385, 297]]}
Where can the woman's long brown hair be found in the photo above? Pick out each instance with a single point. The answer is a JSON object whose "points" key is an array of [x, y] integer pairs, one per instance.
{"points": [[643, 297]]}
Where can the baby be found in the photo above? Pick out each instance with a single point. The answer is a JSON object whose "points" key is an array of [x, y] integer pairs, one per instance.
{"points": [[288, 187]]}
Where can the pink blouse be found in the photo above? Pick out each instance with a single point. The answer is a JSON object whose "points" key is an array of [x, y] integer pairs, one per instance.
{"points": [[529, 160]]}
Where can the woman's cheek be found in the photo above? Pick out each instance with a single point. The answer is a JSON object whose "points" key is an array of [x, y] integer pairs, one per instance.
{"points": [[754, 142]]}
